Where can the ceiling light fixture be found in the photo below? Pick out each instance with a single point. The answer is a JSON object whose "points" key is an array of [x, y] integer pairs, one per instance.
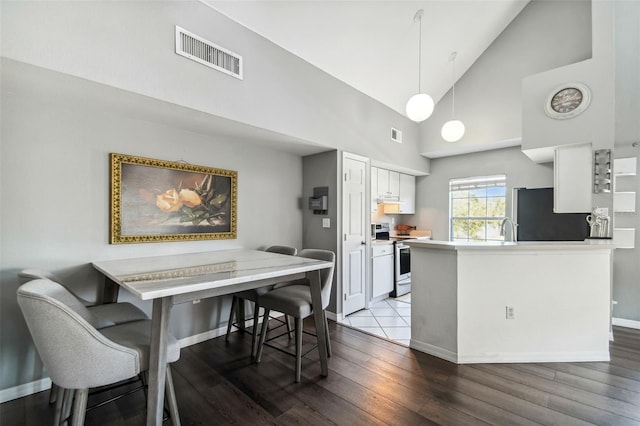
{"points": [[453, 130], [420, 106]]}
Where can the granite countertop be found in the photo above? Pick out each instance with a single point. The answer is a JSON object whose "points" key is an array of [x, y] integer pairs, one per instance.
{"points": [[521, 245]]}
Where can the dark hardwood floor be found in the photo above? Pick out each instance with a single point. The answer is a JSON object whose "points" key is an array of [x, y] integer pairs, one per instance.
{"points": [[373, 382]]}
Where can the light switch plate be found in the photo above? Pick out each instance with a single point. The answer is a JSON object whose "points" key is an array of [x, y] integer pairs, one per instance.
{"points": [[326, 222]]}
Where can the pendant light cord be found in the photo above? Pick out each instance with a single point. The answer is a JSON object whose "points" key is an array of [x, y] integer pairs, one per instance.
{"points": [[418, 17], [420, 55], [453, 94]]}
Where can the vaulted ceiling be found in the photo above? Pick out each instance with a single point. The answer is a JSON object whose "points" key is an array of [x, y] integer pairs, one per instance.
{"points": [[373, 45]]}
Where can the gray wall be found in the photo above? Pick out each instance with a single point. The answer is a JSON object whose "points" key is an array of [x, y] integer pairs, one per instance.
{"points": [[545, 35], [55, 146], [432, 192], [55, 204], [322, 170], [130, 45], [626, 268]]}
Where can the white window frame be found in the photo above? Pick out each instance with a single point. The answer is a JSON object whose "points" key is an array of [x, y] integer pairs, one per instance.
{"points": [[471, 183]]}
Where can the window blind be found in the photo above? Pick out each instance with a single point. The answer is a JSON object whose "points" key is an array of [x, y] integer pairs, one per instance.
{"points": [[464, 184]]}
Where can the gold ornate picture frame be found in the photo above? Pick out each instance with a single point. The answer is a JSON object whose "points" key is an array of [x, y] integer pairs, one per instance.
{"points": [[156, 201]]}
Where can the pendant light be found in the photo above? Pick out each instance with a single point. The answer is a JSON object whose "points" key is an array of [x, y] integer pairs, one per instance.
{"points": [[420, 106], [453, 130]]}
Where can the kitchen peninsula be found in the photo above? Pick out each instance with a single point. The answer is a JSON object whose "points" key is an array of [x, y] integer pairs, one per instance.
{"points": [[511, 302]]}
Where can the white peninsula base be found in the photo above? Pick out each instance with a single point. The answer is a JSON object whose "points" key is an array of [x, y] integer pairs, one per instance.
{"points": [[558, 294]]}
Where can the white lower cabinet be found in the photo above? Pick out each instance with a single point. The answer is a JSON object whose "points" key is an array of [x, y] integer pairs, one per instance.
{"points": [[382, 278]]}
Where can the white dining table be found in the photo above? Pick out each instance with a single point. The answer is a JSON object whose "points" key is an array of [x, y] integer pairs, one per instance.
{"points": [[181, 278]]}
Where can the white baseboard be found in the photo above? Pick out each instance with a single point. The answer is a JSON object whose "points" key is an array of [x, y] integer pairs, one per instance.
{"points": [[509, 357], [524, 357], [434, 350], [332, 316], [201, 337], [625, 323], [25, 389]]}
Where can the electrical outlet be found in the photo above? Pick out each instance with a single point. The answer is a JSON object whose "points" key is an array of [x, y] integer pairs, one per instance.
{"points": [[510, 312], [326, 222]]}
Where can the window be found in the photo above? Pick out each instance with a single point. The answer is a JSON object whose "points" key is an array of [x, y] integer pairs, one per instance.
{"points": [[476, 206]]}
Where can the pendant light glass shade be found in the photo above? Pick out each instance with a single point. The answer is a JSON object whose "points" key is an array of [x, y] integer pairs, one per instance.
{"points": [[453, 130], [420, 106]]}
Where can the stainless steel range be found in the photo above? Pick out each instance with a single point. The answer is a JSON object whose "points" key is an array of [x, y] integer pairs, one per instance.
{"points": [[402, 269], [402, 259]]}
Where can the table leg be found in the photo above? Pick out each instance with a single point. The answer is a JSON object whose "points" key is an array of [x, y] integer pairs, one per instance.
{"points": [[318, 316], [158, 359]]}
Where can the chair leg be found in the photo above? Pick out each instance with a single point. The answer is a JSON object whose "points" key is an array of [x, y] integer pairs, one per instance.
{"points": [[326, 333], [66, 406], [254, 332], [170, 392], [298, 327], [234, 302], [53, 393], [58, 410], [286, 321], [263, 334], [79, 407], [240, 315], [144, 378]]}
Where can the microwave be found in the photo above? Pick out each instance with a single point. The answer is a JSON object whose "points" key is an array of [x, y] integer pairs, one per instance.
{"points": [[379, 231]]}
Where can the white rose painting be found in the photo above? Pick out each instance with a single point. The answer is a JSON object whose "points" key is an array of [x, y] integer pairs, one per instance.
{"points": [[156, 200]]}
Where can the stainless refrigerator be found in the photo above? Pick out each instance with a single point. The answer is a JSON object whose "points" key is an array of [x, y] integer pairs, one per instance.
{"points": [[537, 221]]}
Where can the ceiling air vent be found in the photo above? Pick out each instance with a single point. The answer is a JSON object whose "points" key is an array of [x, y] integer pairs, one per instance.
{"points": [[396, 135], [207, 53]]}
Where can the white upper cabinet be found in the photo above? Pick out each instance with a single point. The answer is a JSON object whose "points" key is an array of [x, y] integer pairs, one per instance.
{"points": [[407, 194], [388, 184], [397, 192], [573, 179]]}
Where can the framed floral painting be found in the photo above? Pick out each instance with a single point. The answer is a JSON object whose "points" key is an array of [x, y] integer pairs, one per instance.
{"points": [[157, 200]]}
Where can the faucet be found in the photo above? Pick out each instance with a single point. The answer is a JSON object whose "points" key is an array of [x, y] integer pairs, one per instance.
{"points": [[513, 228]]}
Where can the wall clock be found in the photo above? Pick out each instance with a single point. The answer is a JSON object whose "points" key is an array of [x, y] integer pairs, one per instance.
{"points": [[567, 101]]}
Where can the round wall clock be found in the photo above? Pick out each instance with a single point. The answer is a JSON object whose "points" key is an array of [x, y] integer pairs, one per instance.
{"points": [[567, 101]]}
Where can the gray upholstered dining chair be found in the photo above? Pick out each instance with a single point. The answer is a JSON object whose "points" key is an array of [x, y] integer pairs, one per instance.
{"points": [[295, 300], [99, 316], [253, 296], [76, 354], [103, 315]]}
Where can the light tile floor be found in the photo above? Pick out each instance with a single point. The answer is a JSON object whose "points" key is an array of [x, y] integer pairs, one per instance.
{"points": [[389, 318]]}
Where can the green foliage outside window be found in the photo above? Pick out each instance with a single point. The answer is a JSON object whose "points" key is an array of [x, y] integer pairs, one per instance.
{"points": [[476, 213]]}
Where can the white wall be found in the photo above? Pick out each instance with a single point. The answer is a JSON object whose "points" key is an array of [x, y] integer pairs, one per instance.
{"points": [[626, 268], [596, 124], [55, 204], [432, 192], [545, 35]]}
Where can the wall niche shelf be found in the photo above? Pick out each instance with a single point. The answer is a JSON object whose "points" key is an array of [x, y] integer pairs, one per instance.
{"points": [[602, 171], [624, 200]]}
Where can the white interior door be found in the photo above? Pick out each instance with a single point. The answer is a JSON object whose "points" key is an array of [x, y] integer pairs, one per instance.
{"points": [[354, 233]]}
